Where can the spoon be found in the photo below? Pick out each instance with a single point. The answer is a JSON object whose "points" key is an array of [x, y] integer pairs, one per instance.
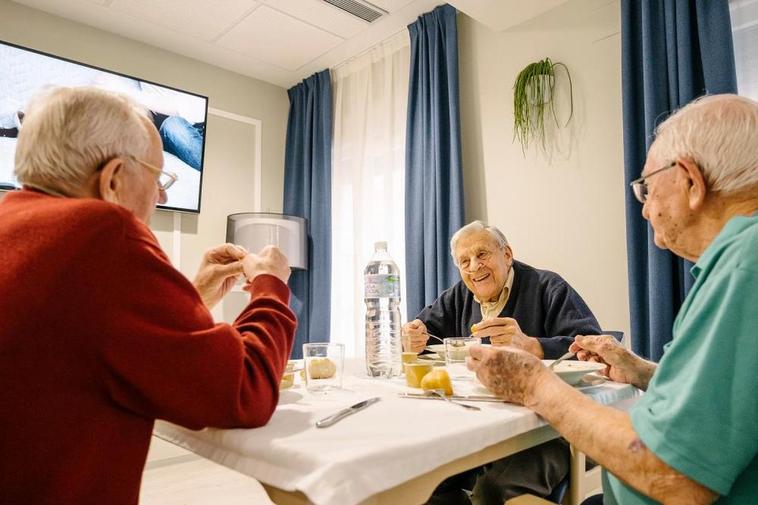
{"points": [[441, 394], [435, 337], [453, 343], [562, 358]]}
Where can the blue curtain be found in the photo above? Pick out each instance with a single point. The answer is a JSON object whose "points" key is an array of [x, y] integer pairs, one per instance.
{"points": [[307, 193], [672, 52], [433, 175]]}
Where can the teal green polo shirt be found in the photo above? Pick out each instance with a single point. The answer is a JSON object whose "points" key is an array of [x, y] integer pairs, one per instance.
{"points": [[700, 412]]}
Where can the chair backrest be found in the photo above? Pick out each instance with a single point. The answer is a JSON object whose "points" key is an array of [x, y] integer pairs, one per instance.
{"points": [[617, 334]]}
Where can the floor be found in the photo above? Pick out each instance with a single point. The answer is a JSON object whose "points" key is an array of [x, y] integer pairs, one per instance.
{"points": [[174, 476]]}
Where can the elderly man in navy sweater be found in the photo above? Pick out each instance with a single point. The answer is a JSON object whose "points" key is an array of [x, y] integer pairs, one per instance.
{"points": [[509, 303]]}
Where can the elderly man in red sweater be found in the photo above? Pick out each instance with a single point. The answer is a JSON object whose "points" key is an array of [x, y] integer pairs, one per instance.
{"points": [[100, 335]]}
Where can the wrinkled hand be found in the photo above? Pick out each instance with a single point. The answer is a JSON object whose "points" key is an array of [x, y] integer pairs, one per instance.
{"points": [[510, 373], [414, 336], [218, 271], [270, 260], [506, 331], [621, 364]]}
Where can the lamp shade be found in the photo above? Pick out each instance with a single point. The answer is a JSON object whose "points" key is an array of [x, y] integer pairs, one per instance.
{"points": [[255, 230]]}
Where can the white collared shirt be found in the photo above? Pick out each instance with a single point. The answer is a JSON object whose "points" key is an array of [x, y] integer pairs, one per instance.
{"points": [[491, 310]]}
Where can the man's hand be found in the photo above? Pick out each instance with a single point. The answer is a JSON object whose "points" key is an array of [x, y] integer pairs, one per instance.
{"points": [[270, 260], [510, 373], [506, 331], [218, 271], [621, 364], [414, 336]]}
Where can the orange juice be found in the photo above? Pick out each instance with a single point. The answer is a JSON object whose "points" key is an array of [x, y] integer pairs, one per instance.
{"points": [[409, 357]]}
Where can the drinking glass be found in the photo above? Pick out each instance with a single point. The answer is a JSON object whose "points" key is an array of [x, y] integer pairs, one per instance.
{"points": [[456, 350], [324, 362]]}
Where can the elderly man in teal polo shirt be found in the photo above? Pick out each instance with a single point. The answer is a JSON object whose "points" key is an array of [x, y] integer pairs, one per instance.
{"points": [[693, 437]]}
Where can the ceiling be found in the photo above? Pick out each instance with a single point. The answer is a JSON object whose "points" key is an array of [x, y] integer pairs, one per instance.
{"points": [[278, 41]]}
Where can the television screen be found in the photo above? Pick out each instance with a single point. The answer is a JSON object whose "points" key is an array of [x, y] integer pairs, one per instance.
{"points": [[179, 116]]}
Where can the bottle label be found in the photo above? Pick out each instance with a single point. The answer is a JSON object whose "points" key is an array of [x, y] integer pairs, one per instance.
{"points": [[382, 286]]}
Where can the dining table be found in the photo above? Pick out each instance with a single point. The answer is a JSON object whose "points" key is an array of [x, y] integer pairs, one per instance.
{"points": [[395, 451]]}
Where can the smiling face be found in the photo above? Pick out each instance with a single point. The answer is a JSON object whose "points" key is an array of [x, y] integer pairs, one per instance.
{"points": [[483, 264]]}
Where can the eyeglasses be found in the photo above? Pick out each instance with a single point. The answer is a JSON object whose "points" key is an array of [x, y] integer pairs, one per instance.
{"points": [[165, 179], [639, 186]]}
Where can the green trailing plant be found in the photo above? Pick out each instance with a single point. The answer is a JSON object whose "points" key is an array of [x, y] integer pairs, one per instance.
{"points": [[533, 99]]}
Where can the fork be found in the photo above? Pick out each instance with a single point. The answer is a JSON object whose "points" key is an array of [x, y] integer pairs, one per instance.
{"points": [[441, 394]]}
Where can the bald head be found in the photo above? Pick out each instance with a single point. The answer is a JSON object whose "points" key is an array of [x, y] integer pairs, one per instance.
{"points": [[68, 133], [720, 134]]}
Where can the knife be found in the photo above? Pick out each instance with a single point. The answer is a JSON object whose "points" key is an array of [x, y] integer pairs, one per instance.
{"points": [[330, 420], [467, 398]]}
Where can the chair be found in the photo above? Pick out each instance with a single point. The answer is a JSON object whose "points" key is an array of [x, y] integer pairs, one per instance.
{"points": [[580, 478], [527, 499]]}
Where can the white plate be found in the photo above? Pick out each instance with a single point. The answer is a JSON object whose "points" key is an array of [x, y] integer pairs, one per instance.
{"points": [[439, 349], [475, 388], [431, 358], [590, 381], [573, 371]]}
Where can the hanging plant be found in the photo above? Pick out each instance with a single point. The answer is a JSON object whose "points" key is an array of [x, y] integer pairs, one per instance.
{"points": [[533, 99]]}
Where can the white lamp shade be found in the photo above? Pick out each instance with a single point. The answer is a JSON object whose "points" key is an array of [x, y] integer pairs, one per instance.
{"points": [[255, 230]]}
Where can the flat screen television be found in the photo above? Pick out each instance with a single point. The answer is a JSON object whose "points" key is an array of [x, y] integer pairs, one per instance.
{"points": [[180, 116]]}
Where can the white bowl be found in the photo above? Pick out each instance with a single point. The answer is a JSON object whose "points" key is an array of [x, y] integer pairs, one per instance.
{"points": [[572, 371], [438, 349], [460, 352]]}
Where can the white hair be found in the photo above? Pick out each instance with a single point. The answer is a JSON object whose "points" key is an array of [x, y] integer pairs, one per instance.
{"points": [[720, 134], [68, 133], [475, 227]]}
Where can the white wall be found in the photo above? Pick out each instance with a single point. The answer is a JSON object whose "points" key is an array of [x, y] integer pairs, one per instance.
{"points": [[228, 171], [564, 214]]}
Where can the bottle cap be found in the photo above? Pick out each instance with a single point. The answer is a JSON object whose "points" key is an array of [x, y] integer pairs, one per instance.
{"points": [[380, 246]]}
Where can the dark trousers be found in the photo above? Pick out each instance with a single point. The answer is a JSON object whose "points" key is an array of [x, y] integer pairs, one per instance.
{"points": [[537, 471]]}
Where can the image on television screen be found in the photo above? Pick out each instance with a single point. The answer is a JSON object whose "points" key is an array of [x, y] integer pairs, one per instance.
{"points": [[180, 116]]}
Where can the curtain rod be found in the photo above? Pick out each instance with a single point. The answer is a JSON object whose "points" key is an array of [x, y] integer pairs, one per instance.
{"points": [[383, 41]]}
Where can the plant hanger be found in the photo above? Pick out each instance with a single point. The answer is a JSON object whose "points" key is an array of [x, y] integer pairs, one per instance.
{"points": [[532, 97]]}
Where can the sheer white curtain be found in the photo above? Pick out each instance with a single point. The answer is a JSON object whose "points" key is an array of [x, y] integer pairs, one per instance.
{"points": [[744, 15], [368, 174]]}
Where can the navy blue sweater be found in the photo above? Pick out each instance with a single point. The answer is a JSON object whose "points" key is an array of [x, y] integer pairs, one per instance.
{"points": [[542, 302]]}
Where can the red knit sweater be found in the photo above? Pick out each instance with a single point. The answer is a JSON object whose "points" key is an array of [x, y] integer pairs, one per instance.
{"points": [[99, 336]]}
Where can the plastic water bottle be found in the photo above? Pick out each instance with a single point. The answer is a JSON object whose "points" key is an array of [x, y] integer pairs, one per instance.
{"points": [[382, 297]]}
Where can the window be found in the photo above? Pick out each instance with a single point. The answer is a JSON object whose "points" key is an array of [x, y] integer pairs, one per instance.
{"points": [[744, 14], [368, 178]]}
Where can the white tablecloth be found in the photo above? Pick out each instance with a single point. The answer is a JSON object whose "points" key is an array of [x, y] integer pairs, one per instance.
{"points": [[385, 445]]}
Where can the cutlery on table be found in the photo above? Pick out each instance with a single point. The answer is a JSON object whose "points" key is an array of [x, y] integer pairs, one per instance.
{"points": [[330, 420], [467, 398], [441, 394], [562, 358]]}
